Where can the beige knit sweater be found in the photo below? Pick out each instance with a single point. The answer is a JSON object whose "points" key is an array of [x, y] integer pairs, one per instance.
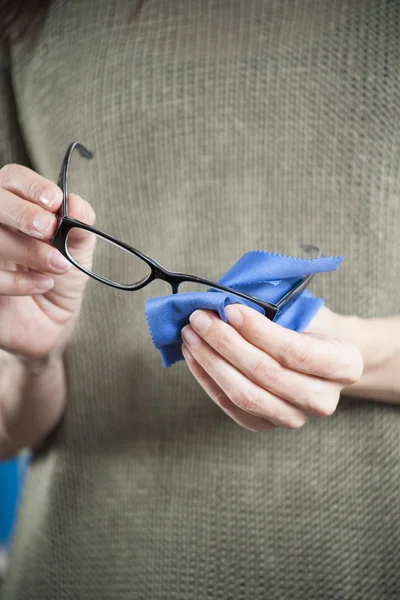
{"points": [[219, 126]]}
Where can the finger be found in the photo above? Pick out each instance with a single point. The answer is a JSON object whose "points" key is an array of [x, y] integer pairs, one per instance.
{"points": [[26, 217], [29, 252], [305, 353], [244, 393], [240, 417], [81, 243], [27, 184], [81, 210], [18, 283], [314, 395]]}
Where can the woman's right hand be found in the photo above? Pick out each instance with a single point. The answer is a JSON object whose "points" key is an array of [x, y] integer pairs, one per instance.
{"points": [[40, 291]]}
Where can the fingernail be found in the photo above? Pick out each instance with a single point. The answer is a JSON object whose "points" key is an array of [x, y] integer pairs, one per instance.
{"points": [[48, 197], [58, 261], [190, 337], [186, 353], [44, 283], [200, 320], [43, 222], [234, 315]]}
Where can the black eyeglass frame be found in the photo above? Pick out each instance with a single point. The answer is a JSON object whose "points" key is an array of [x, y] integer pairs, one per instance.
{"points": [[157, 271]]}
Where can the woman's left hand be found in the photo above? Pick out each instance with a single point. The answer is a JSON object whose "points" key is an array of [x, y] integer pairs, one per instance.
{"points": [[265, 376]]}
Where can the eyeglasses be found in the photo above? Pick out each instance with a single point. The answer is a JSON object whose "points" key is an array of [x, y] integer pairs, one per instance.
{"points": [[121, 266]]}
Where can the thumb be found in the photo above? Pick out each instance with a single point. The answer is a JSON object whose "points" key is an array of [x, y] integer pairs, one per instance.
{"points": [[81, 243]]}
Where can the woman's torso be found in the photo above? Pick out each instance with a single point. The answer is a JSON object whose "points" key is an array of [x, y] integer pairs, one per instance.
{"points": [[218, 127]]}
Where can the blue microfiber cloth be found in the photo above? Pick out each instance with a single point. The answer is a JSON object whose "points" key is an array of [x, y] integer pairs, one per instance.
{"points": [[265, 275]]}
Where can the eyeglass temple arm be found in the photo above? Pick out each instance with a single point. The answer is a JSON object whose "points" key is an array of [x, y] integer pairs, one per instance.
{"points": [[63, 176], [303, 283], [178, 278]]}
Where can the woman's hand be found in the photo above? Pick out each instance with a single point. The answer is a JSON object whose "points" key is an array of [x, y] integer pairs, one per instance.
{"points": [[264, 376], [40, 294]]}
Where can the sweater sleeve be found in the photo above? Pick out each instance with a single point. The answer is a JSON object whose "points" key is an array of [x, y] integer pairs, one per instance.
{"points": [[12, 147]]}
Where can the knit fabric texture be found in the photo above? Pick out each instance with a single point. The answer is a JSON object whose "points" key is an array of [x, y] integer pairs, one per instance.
{"points": [[219, 126]]}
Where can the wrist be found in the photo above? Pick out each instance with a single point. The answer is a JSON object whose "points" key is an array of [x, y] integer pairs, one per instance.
{"points": [[39, 366], [379, 343], [32, 400]]}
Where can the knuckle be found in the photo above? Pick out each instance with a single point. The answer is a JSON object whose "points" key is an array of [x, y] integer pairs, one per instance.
{"points": [[320, 398], [336, 360], [222, 400], [264, 373], [240, 399], [329, 407], [314, 399], [20, 283], [257, 335], [324, 405], [31, 252], [294, 420], [32, 190], [293, 357], [9, 172], [328, 368], [354, 366], [21, 219], [345, 365], [222, 343], [251, 401], [206, 363]]}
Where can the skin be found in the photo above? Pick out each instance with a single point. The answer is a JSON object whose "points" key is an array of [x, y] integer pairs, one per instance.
{"points": [[264, 376], [40, 300], [261, 375]]}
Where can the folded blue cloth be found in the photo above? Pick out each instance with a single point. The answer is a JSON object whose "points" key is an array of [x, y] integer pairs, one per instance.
{"points": [[265, 275]]}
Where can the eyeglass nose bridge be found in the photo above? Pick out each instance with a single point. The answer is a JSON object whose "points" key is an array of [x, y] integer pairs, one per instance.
{"points": [[159, 273], [175, 280]]}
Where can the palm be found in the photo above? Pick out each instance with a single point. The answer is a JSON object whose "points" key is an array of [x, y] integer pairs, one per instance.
{"points": [[33, 325]]}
